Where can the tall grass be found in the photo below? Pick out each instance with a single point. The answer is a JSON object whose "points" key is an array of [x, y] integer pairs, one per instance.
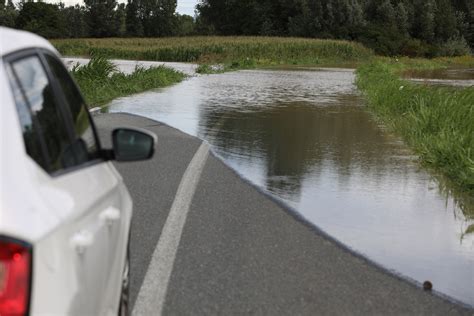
{"points": [[100, 81], [438, 122], [260, 50]]}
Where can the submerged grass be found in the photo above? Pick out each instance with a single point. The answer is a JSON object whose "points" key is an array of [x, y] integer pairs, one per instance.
{"points": [[100, 81], [233, 52], [438, 122]]}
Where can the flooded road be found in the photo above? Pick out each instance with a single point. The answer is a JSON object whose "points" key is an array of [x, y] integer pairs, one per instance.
{"points": [[306, 138], [446, 77]]}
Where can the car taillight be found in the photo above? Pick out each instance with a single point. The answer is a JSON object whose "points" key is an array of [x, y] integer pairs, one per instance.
{"points": [[15, 271]]}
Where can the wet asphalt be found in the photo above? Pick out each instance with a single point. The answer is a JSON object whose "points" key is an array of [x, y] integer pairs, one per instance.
{"points": [[244, 253]]}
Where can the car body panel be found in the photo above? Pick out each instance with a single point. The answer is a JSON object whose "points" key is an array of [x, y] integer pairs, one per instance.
{"points": [[89, 274], [14, 40], [77, 222], [20, 202]]}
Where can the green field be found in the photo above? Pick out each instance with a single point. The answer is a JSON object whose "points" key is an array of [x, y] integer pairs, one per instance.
{"points": [[240, 51]]}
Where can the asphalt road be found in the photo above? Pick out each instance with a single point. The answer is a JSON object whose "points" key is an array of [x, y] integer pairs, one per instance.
{"points": [[239, 252]]}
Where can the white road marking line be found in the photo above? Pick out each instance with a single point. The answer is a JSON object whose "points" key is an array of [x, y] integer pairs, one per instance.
{"points": [[152, 294]]}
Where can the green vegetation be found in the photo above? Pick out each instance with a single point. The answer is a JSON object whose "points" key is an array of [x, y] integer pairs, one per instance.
{"points": [[438, 122], [44, 18], [235, 52], [206, 69], [100, 82], [415, 28]]}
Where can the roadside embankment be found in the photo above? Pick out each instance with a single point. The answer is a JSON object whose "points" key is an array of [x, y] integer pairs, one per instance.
{"points": [[437, 122]]}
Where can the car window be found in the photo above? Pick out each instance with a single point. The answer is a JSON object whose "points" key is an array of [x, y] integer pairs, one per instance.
{"points": [[28, 127], [80, 116], [35, 102]]}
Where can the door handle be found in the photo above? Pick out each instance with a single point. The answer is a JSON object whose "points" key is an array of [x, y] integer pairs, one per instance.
{"points": [[82, 240], [110, 215]]}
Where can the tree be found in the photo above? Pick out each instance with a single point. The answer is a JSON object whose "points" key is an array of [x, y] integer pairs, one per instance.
{"points": [[120, 20], [76, 17], [401, 18], [425, 29], [388, 26], [385, 15], [41, 18], [445, 21], [133, 19], [8, 13], [100, 16], [158, 17], [317, 19], [299, 25], [166, 17], [356, 17], [185, 25], [328, 17], [351, 20], [464, 11]]}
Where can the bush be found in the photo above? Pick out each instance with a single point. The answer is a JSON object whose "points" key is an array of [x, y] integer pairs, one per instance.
{"points": [[455, 46], [98, 68], [416, 48], [387, 42]]}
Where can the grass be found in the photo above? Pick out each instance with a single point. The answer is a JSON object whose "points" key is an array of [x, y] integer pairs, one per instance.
{"points": [[101, 82], [406, 63], [231, 66], [232, 52], [437, 122]]}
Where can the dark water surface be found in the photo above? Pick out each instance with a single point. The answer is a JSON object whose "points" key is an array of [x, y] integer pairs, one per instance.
{"points": [[305, 138]]}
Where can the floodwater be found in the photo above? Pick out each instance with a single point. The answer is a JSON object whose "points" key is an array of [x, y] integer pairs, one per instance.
{"points": [[447, 77], [306, 138]]}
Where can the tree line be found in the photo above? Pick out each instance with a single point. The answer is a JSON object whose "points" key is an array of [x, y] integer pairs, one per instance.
{"points": [[390, 27], [97, 18]]}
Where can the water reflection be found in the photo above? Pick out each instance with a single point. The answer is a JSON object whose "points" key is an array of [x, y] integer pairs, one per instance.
{"points": [[294, 139], [305, 138]]}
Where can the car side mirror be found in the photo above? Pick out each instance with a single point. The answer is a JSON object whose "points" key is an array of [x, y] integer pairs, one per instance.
{"points": [[131, 144]]}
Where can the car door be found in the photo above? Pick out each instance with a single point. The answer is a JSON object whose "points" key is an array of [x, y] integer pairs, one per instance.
{"points": [[75, 265], [115, 214]]}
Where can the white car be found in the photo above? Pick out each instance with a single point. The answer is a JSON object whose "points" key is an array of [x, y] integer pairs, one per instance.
{"points": [[65, 212]]}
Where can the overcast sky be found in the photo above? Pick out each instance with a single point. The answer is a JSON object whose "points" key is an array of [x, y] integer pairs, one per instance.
{"points": [[186, 7]]}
